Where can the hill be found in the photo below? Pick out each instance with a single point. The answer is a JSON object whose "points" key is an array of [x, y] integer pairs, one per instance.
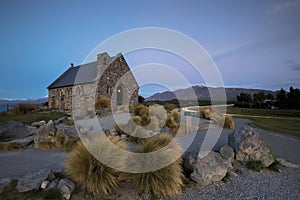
{"points": [[202, 93]]}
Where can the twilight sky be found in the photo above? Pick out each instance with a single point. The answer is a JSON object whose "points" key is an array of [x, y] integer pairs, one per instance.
{"points": [[255, 44]]}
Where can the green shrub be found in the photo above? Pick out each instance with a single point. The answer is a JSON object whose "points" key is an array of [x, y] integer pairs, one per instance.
{"points": [[275, 166], [102, 102], [255, 165], [165, 182], [97, 178], [23, 108]]}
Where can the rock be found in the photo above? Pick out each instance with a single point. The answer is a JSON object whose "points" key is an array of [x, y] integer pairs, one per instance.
{"points": [[32, 181], [45, 184], [249, 146], [53, 184], [51, 176], [227, 153], [45, 133], [64, 130], [12, 130], [38, 124], [206, 169], [66, 187], [24, 142], [61, 120]]}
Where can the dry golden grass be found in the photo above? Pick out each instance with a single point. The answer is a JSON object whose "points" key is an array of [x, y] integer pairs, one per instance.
{"points": [[97, 178], [165, 182], [229, 123], [102, 102]]}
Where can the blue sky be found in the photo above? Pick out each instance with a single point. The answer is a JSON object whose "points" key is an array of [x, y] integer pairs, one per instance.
{"points": [[255, 44]]}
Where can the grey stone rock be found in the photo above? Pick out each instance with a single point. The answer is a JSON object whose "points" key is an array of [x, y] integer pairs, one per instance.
{"points": [[45, 184], [66, 187], [61, 120], [45, 133], [206, 167], [38, 124], [32, 181], [12, 130], [227, 153], [24, 142], [249, 146], [53, 184]]}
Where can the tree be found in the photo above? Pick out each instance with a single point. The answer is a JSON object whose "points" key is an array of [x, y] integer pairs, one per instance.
{"points": [[259, 98], [244, 100], [281, 98], [293, 98], [270, 96], [141, 99]]}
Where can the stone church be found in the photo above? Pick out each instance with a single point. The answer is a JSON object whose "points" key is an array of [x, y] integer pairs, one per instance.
{"points": [[80, 86]]}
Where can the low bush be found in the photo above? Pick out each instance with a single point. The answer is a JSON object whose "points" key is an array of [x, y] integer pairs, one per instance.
{"points": [[165, 182], [255, 165], [229, 123], [102, 103], [169, 107], [94, 176], [23, 108], [205, 114], [275, 166]]}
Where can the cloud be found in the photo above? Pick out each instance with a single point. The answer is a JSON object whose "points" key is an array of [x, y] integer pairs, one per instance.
{"points": [[293, 65], [286, 5]]}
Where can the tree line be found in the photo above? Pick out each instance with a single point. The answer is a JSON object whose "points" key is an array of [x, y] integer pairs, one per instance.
{"points": [[282, 99]]}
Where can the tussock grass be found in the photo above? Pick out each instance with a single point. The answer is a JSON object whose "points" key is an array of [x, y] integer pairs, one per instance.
{"points": [[97, 178], [102, 102], [165, 182]]}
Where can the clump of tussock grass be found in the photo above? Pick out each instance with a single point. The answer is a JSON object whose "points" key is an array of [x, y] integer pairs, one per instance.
{"points": [[94, 176], [164, 182], [102, 103]]}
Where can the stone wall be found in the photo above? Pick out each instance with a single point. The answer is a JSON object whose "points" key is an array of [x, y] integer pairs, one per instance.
{"points": [[60, 98], [117, 76]]}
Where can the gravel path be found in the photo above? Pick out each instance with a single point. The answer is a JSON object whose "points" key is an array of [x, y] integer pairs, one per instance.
{"points": [[251, 185]]}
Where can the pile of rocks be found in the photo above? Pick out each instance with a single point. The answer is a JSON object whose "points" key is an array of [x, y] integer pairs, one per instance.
{"points": [[244, 145], [43, 180], [21, 135]]}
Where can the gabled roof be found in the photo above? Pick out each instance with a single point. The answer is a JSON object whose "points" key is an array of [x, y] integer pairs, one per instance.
{"points": [[81, 74]]}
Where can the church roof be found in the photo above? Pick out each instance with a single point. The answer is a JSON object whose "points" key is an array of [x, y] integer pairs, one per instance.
{"points": [[81, 74]]}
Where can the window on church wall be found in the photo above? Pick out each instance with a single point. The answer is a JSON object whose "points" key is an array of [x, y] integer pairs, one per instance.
{"points": [[108, 90]]}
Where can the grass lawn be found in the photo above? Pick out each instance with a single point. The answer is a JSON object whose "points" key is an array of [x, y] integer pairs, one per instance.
{"points": [[281, 121], [31, 117]]}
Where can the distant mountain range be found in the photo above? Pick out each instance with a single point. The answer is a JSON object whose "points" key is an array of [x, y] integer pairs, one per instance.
{"points": [[202, 93], [17, 101]]}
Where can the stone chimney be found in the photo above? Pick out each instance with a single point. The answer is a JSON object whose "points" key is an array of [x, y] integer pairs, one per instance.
{"points": [[103, 61], [72, 65]]}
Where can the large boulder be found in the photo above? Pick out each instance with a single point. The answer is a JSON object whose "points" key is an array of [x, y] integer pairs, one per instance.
{"points": [[227, 153], [12, 130], [66, 187], [38, 124], [45, 133], [249, 146], [206, 169]]}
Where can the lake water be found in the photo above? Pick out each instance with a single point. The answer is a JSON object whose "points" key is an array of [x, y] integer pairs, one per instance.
{"points": [[3, 108]]}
